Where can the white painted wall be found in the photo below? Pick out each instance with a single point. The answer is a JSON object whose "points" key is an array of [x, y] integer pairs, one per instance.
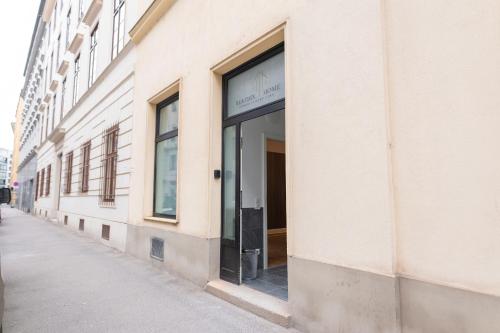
{"points": [[253, 170]]}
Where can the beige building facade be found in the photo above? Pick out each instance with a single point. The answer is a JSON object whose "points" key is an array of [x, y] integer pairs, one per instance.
{"points": [[390, 129], [16, 129]]}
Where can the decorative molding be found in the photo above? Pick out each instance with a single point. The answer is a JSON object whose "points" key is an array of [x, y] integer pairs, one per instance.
{"points": [[76, 43], [47, 97], [63, 67], [53, 85], [148, 20], [160, 219], [57, 135], [166, 92], [92, 12], [272, 38]]}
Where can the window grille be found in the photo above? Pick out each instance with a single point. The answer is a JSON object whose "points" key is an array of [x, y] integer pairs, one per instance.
{"points": [[108, 165], [47, 185], [69, 172], [85, 167], [42, 182], [37, 186]]}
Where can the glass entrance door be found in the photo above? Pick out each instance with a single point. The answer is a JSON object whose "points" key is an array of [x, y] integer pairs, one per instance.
{"points": [[254, 89], [230, 240]]}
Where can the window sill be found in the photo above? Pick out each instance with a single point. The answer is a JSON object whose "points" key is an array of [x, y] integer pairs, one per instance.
{"points": [[161, 219]]}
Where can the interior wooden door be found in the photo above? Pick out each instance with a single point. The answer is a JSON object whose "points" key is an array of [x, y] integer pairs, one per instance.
{"points": [[276, 202]]}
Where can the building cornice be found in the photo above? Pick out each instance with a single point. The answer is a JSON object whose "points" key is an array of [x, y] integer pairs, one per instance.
{"points": [[148, 20]]}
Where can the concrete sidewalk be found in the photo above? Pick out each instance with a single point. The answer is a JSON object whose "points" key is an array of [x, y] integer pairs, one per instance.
{"points": [[59, 281]]}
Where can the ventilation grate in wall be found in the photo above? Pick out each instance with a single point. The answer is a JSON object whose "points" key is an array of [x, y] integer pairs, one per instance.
{"points": [[157, 248], [106, 229], [81, 225]]}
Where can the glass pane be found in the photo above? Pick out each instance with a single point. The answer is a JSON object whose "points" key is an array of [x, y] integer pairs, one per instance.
{"points": [[166, 177], [229, 221], [169, 117], [258, 86]]}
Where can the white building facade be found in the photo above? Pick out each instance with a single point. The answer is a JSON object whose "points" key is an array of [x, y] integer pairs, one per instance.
{"points": [[85, 128], [5, 167]]}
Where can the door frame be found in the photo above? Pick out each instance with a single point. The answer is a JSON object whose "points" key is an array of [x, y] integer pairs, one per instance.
{"points": [[234, 246]]}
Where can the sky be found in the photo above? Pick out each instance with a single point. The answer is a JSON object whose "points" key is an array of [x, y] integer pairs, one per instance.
{"points": [[17, 20]]}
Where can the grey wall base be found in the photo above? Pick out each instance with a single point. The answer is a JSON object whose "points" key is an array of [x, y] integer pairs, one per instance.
{"points": [[194, 258], [328, 298], [427, 307]]}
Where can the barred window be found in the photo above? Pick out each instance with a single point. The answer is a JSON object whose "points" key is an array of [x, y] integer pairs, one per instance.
{"points": [[47, 184], [93, 62], [108, 165], [37, 185], [118, 27], [69, 172], [42, 180], [85, 166]]}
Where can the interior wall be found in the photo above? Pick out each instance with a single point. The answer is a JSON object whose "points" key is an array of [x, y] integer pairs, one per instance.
{"points": [[252, 165]]}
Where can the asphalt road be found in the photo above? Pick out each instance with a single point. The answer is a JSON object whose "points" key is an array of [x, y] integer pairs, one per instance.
{"points": [[57, 280]]}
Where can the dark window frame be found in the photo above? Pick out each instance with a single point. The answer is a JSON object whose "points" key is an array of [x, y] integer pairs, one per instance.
{"points": [[160, 138], [231, 247]]}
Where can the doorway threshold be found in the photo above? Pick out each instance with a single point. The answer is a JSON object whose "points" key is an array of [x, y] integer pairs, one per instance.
{"points": [[272, 281], [263, 305]]}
